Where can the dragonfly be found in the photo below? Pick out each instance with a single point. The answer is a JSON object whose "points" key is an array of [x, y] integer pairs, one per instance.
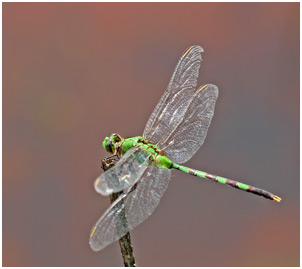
{"points": [[174, 132]]}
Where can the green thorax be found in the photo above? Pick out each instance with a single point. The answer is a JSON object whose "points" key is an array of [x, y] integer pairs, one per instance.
{"points": [[157, 155]]}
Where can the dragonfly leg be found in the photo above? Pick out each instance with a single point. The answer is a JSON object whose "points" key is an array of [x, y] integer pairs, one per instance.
{"points": [[108, 161]]}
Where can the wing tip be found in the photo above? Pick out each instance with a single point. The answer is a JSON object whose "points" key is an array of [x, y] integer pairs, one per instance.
{"points": [[213, 86], [92, 231], [93, 247], [101, 187], [202, 87], [196, 48]]}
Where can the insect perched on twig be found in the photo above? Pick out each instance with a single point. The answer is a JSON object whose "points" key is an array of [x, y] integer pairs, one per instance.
{"points": [[174, 132]]}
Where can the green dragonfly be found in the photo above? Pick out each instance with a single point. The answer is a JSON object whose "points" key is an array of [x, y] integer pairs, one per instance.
{"points": [[174, 132]]}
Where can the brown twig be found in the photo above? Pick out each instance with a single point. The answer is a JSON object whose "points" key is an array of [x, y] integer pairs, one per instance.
{"points": [[125, 241]]}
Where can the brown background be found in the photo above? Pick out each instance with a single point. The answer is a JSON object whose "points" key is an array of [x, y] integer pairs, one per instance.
{"points": [[74, 73]]}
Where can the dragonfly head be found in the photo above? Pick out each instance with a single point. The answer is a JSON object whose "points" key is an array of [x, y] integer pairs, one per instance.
{"points": [[111, 143]]}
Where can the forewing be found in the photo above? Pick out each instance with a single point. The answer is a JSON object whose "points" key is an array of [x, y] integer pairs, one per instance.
{"points": [[190, 134], [125, 173], [176, 98], [137, 204]]}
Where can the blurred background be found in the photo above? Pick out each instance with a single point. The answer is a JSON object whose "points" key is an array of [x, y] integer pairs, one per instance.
{"points": [[74, 73]]}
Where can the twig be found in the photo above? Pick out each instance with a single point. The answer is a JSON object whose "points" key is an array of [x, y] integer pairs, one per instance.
{"points": [[125, 241]]}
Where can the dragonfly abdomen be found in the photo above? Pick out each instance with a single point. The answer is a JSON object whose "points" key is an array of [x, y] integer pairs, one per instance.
{"points": [[230, 182]]}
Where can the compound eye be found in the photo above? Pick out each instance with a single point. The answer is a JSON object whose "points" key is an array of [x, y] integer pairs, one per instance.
{"points": [[108, 147], [116, 138]]}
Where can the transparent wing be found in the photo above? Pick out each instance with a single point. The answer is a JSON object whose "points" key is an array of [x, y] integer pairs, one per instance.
{"points": [[176, 98], [137, 204], [125, 173], [183, 142]]}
